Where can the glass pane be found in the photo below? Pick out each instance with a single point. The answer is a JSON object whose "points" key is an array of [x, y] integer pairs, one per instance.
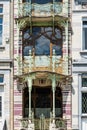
{"points": [[36, 30], [58, 0], [0, 34], [1, 9], [85, 38], [57, 33], [85, 1], [0, 39], [42, 46], [42, 1], [26, 34], [84, 82], [1, 79], [0, 106], [41, 38], [1, 20], [26, 50], [58, 50], [84, 102], [84, 22]]}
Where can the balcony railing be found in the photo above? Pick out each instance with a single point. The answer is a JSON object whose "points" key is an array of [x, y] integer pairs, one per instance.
{"points": [[43, 123], [43, 63], [42, 10]]}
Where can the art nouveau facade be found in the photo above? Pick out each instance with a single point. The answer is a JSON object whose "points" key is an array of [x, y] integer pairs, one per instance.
{"points": [[42, 75], [79, 66], [35, 89]]}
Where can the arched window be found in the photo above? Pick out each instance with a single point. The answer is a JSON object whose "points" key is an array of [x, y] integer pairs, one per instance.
{"points": [[41, 39]]}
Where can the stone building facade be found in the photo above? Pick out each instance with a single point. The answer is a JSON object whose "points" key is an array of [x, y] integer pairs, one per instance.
{"points": [[79, 64], [5, 65]]}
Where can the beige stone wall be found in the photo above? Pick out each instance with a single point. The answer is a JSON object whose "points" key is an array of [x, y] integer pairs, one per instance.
{"points": [[5, 66], [77, 15], [5, 52]]}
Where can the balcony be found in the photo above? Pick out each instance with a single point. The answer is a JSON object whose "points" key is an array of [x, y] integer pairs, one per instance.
{"points": [[43, 64], [43, 123], [42, 10]]}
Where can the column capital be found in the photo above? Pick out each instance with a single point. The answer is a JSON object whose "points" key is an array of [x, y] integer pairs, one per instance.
{"points": [[29, 80]]}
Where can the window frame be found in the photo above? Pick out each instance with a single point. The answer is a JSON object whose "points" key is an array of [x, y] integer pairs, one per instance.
{"points": [[83, 90], [2, 101], [33, 1], [43, 32], [83, 83], [84, 48], [2, 78], [1, 6], [85, 113], [1, 106], [1, 24]]}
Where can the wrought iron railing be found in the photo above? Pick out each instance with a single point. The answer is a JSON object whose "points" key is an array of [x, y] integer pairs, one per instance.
{"points": [[61, 123], [51, 64], [44, 122], [27, 9]]}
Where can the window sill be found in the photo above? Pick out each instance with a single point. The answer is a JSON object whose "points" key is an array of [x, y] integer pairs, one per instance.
{"points": [[83, 52], [2, 47], [84, 115], [79, 10], [1, 84]]}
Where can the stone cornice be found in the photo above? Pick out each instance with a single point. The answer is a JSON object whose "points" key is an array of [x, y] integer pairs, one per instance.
{"points": [[5, 60]]}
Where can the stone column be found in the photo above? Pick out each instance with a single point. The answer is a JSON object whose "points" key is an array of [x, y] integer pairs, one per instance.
{"points": [[30, 89]]}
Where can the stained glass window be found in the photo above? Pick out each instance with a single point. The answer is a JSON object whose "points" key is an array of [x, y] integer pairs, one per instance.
{"points": [[40, 40]]}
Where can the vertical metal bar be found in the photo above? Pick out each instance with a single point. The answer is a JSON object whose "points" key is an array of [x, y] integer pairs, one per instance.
{"points": [[29, 103], [30, 17], [53, 89], [53, 103], [30, 88], [53, 16]]}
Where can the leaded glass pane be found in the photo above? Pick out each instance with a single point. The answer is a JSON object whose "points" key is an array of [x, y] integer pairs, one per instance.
{"points": [[40, 40], [42, 46], [84, 82], [42, 1], [84, 102]]}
